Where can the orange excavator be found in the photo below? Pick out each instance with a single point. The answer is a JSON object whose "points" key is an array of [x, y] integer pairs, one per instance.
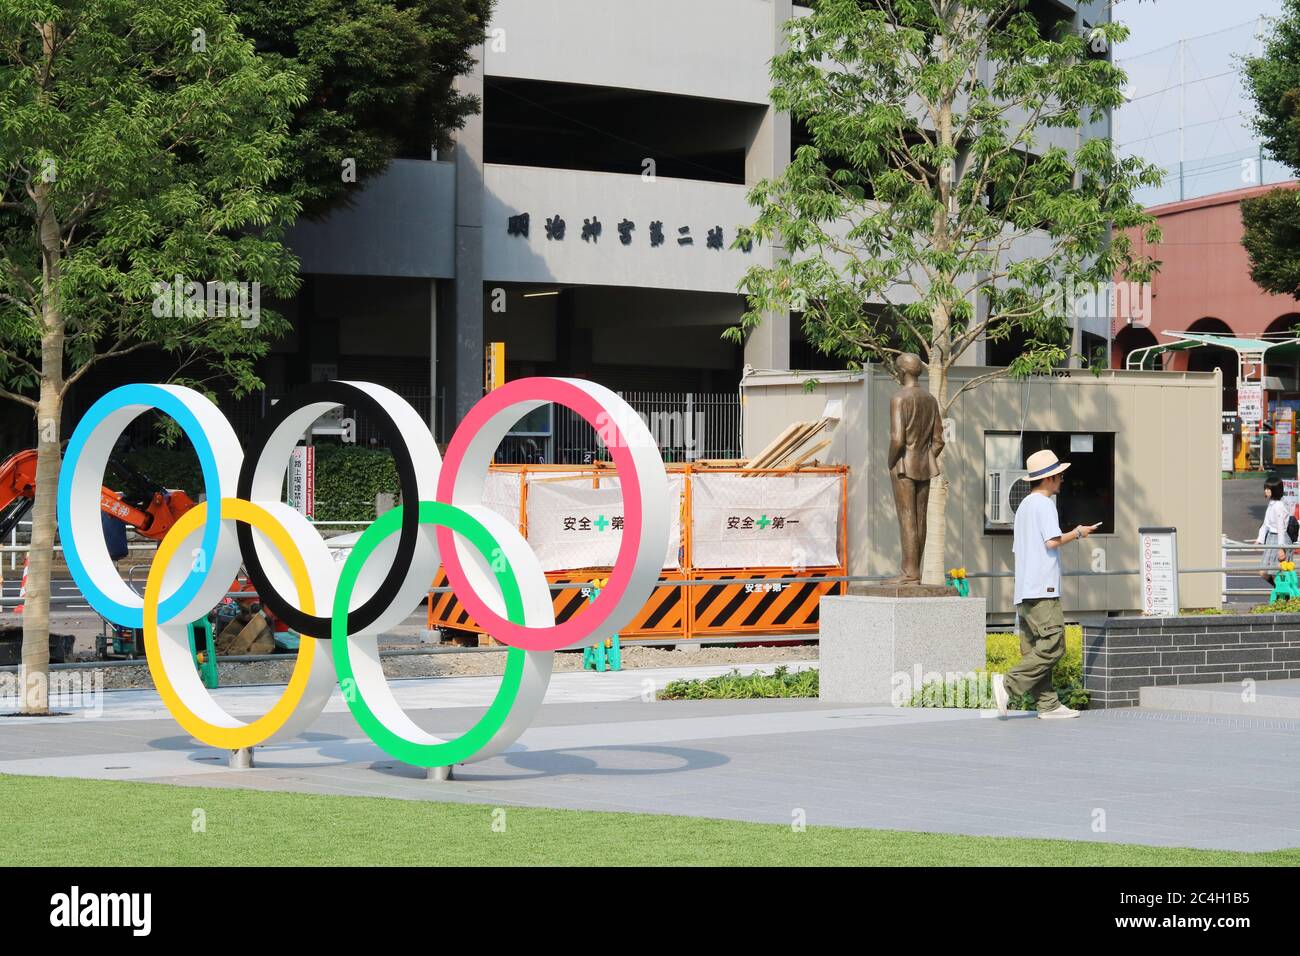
{"points": [[148, 507]]}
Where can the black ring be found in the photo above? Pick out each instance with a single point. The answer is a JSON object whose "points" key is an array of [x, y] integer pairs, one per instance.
{"points": [[346, 394]]}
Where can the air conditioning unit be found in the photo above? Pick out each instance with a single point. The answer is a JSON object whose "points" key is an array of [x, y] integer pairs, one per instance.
{"points": [[1004, 490]]}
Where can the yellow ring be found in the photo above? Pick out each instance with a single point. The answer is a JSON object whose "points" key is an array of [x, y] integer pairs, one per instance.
{"points": [[248, 735]]}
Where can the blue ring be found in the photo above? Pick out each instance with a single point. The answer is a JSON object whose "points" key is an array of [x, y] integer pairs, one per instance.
{"points": [[160, 398]]}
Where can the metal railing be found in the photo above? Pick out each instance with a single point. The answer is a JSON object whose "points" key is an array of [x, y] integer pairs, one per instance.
{"points": [[1232, 593], [1248, 570], [796, 579], [687, 425]]}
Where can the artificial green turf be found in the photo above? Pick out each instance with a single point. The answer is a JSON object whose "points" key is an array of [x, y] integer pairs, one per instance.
{"points": [[59, 821]]}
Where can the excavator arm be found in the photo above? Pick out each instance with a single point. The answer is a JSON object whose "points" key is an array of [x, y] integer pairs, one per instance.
{"points": [[152, 519]]}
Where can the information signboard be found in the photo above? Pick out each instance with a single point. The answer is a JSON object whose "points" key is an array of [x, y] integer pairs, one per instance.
{"points": [[1158, 561], [1284, 436], [1250, 403], [302, 480]]}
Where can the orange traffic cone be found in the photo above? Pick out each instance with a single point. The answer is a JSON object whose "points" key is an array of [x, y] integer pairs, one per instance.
{"points": [[22, 588]]}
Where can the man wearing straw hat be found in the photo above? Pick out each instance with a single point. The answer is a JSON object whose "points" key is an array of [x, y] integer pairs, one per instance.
{"points": [[1038, 541]]}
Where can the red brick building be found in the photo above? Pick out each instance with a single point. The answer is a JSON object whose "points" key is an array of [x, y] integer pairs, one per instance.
{"points": [[1204, 285]]}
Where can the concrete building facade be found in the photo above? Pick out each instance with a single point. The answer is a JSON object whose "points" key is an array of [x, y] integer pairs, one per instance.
{"points": [[585, 217]]}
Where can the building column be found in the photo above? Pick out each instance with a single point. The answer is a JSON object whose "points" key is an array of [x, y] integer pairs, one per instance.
{"points": [[768, 155], [461, 348], [434, 377]]}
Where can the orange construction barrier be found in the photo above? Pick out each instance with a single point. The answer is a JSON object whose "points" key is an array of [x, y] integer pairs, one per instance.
{"points": [[758, 604]]}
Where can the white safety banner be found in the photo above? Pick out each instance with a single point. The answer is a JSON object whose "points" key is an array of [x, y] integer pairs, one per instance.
{"points": [[782, 521], [578, 526], [501, 494]]}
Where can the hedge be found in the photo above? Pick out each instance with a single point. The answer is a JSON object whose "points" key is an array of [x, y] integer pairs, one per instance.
{"points": [[1001, 654], [348, 477]]}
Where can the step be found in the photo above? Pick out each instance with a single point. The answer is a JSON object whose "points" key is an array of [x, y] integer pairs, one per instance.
{"points": [[1272, 698]]}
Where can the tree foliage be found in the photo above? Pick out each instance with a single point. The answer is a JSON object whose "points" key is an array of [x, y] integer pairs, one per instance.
{"points": [[1272, 240], [138, 144], [944, 194], [939, 181], [378, 76], [1274, 81], [1272, 221]]}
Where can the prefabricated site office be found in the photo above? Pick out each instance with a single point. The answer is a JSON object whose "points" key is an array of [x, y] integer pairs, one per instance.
{"points": [[1144, 448]]}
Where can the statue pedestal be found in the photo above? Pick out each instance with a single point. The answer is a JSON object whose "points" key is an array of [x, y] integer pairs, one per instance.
{"points": [[878, 649], [902, 590]]}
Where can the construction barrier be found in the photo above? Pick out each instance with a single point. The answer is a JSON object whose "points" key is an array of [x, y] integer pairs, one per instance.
{"points": [[800, 516], [760, 607]]}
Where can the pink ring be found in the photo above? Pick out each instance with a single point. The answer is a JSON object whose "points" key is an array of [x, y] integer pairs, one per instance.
{"points": [[492, 409]]}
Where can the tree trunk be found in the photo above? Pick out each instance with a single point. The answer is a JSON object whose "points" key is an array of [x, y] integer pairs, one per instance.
{"points": [[35, 671], [941, 338], [936, 514], [36, 613]]}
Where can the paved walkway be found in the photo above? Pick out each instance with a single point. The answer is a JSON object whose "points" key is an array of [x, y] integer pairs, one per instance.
{"points": [[1122, 776]]}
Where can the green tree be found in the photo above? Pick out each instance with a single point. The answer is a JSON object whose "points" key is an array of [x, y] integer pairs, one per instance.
{"points": [[1272, 221], [943, 196], [378, 76], [138, 143]]}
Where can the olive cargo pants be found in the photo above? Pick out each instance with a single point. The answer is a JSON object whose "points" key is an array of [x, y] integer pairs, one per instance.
{"points": [[1042, 644]]}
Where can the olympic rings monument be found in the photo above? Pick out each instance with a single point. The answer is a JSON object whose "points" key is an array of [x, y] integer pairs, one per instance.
{"points": [[340, 610]]}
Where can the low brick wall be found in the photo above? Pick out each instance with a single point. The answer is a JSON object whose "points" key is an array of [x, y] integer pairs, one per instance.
{"points": [[1124, 654]]}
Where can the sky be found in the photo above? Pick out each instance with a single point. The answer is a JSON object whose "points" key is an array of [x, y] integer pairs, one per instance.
{"points": [[1218, 148]]}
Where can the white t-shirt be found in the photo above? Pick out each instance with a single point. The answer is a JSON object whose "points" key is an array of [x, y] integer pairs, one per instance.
{"points": [[1038, 567]]}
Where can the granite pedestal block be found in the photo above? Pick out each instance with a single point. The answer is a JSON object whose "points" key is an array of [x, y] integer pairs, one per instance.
{"points": [[874, 649]]}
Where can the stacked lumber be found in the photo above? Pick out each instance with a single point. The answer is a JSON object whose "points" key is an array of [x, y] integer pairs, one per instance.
{"points": [[791, 448]]}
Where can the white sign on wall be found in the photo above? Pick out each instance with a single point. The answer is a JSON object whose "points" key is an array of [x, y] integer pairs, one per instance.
{"points": [[1158, 561], [1284, 438], [302, 480], [1226, 442], [1250, 403]]}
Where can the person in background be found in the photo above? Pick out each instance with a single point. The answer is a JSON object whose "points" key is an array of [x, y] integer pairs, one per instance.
{"points": [[114, 537], [1274, 529]]}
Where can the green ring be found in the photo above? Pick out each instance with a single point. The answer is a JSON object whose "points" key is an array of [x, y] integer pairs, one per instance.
{"points": [[462, 748]]}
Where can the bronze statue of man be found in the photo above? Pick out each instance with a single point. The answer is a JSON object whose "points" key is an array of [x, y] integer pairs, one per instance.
{"points": [[915, 441]]}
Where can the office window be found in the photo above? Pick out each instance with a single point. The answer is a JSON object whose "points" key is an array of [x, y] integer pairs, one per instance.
{"points": [[1087, 495]]}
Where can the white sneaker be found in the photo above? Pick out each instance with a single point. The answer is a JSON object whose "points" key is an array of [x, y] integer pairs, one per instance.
{"points": [[1061, 713], [1000, 696]]}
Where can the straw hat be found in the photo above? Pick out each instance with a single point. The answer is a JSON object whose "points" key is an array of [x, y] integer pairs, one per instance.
{"points": [[1044, 464]]}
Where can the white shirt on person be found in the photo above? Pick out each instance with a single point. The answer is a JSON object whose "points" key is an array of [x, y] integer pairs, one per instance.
{"points": [[1275, 520], [1038, 567]]}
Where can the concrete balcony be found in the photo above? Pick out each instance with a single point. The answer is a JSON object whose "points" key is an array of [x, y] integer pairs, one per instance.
{"points": [[402, 223], [575, 196], [717, 49]]}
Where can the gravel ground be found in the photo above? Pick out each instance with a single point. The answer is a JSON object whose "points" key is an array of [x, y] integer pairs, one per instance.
{"points": [[472, 664]]}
